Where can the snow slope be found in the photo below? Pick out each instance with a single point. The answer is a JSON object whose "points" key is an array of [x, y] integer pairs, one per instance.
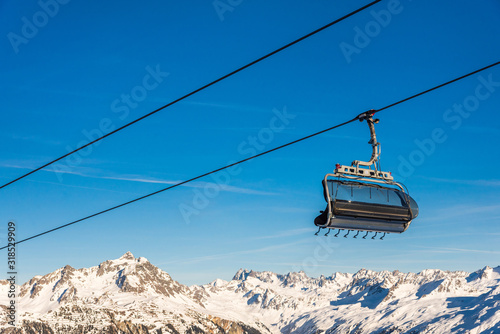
{"points": [[130, 295]]}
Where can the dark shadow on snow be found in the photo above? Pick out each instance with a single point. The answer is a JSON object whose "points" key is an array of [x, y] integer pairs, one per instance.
{"points": [[370, 297], [427, 288]]}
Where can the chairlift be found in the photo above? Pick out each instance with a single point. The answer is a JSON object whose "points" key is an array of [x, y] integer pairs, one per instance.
{"points": [[361, 197]]}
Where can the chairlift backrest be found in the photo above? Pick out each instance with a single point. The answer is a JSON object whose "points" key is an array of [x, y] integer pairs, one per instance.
{"points": [[361, 199]]}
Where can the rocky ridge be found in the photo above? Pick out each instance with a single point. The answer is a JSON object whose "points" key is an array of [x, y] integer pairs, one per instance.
{"points": [[131, 295]]}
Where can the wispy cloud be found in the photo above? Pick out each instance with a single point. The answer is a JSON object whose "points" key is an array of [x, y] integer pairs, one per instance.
{"points": [[216, 257], [426, 236], [15, 166], [478, 183], [460, 250], [462, 211], [84, 187], [35, 163], [240, 190], [137, 178], [23, 164], [95, 173], [199, 184], [287, 233]]}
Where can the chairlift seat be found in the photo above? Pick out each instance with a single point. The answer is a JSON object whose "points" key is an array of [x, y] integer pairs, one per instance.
{"points": [[365, 206], [370, 210]]}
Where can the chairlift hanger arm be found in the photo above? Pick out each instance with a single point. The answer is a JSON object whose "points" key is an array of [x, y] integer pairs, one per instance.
{"points": [[368, 117]]}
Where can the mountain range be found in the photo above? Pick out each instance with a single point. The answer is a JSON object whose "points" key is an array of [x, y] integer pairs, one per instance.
{"points": [[131, 295]]}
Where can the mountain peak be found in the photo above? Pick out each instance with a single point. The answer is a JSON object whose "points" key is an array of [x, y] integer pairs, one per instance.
{"points": [[127, 259], [241, 275], [132, 288], [127, 256]]}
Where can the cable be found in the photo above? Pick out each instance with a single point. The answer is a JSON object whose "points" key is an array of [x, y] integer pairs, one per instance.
{"points": [[436, 87], [184, 182], [196, 90], [249, 158]]}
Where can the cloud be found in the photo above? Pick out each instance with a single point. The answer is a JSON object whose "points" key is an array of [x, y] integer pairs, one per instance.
{"points": [[477, 183], [216, 257], [199, 184], [22, 164], [100, 174], [84, 187], [137, 178], [426, 236], [234, 189], [460, 250], [288, 233], [35, 163], [461, 211]]}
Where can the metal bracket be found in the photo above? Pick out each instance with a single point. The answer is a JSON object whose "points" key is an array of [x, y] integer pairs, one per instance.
{"points": [[368, 117], [341, 170]]}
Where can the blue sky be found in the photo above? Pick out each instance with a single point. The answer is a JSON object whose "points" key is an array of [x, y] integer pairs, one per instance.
{"points": [[90, 67]]}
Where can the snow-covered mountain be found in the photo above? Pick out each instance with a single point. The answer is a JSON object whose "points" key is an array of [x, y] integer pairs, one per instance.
{"points": [[130, 295]]}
